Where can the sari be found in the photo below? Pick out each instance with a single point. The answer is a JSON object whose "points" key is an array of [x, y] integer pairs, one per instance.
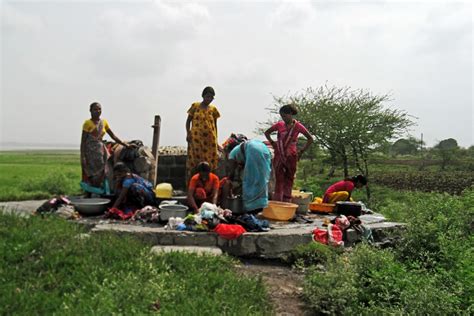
{"points": [[256, 158], [95, 171], [286, 159]]}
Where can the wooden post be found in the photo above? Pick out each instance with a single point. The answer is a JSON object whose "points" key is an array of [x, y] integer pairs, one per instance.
{"points": [[156, 145]]}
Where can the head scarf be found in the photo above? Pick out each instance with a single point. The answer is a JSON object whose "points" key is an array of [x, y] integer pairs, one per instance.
{"points": [[233, 140]]}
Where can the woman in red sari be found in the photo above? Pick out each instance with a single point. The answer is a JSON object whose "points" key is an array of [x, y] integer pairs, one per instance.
{"points": [[286, 152]]}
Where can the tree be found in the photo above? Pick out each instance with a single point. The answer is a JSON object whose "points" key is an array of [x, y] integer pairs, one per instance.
{"points": [[405, 146], [447, 150], [348, 123]]}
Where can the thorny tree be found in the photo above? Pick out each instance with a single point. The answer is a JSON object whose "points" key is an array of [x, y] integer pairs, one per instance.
{"points": [[349, 123]]}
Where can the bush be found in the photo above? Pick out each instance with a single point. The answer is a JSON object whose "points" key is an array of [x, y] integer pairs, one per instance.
{"points": [[311, 254], [333, 291], [430, 272], [372, 281]]}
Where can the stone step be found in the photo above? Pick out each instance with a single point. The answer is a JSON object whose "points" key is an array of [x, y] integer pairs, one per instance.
{"points": [[191, 249], [270, 245]]}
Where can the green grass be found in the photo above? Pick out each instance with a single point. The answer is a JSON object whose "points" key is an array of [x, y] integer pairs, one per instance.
{"points": [[430, 271], [38, 174], [47, 267]]}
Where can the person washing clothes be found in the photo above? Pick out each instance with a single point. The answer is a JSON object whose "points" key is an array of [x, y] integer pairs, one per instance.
{"points": [[201, 132], [133, 191], [254, 158], [203, 187], [286, 151], [342, 190]]}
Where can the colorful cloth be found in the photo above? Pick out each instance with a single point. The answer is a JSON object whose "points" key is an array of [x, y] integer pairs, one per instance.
{"points": [[95, 154], [229, 231], [116, 213], [332, 236], [256, 158], [203, 144], [286, 158], [140, 191], [341, 186]]}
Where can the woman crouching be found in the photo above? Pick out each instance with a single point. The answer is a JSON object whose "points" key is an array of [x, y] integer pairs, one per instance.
{"points": [[342, 190], [133, 191]]}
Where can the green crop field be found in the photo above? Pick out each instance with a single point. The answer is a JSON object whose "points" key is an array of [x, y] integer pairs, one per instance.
{"points": [[28, 175]]}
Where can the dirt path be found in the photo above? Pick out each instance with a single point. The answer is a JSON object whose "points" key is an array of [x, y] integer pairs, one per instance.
{"points": [[284, 286]]}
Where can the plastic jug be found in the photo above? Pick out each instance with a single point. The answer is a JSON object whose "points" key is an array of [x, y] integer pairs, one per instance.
{"points": [[164, 190]]}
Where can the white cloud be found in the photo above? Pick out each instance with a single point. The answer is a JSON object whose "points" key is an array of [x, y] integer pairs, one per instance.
{"points": [[292, 14], [14, 19], [142, 42]]}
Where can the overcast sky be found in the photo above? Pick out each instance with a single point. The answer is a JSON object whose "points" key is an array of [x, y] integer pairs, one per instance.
{"points": [[142, 58]]}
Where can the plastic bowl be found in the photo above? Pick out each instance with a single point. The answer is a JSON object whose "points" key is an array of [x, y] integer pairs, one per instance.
{"points": [[279, 211], [321, 207], [94, 206], [172, 210]]}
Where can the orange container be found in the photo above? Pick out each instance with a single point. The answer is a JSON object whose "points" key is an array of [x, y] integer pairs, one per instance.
{"points": [[321, 207], [279, 211]]}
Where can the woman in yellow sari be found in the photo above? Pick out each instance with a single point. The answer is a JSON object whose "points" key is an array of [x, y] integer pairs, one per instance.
{"points": [[201, 132], [94, 155]]}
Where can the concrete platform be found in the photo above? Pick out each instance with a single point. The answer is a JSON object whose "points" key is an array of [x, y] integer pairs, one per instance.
{"points": [[281, 239]]}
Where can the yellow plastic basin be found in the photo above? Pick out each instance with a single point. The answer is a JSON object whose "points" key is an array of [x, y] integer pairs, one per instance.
{"points": [[279, 211], [321, 207]]}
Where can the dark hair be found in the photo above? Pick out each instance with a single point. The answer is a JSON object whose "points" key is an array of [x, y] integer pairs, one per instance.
{"points": [[203, 167], [359, 178], [121, 167], [289, 109], [93, 104], [208, 90]]}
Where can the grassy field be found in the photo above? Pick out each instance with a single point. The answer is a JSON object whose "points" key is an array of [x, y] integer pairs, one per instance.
{"points": [[26, 175], [48, 267]]}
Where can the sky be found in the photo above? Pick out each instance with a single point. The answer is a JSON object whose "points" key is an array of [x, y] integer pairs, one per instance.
{"points": [[145, 58]]}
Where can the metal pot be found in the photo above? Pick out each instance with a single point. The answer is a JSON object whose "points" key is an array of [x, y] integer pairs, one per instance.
{"points": [[236, 205], [94, 206], [172, 210]]}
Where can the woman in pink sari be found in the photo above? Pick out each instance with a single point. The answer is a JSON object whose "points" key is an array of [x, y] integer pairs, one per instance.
{"points": [[286, 152]]}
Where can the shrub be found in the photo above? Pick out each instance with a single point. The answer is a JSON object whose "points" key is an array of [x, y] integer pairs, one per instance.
{"points": [[311, 254], [333, 291], [430, 272]]}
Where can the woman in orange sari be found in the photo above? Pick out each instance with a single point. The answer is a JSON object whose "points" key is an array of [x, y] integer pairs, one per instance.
{"points": [[201, 132]]}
